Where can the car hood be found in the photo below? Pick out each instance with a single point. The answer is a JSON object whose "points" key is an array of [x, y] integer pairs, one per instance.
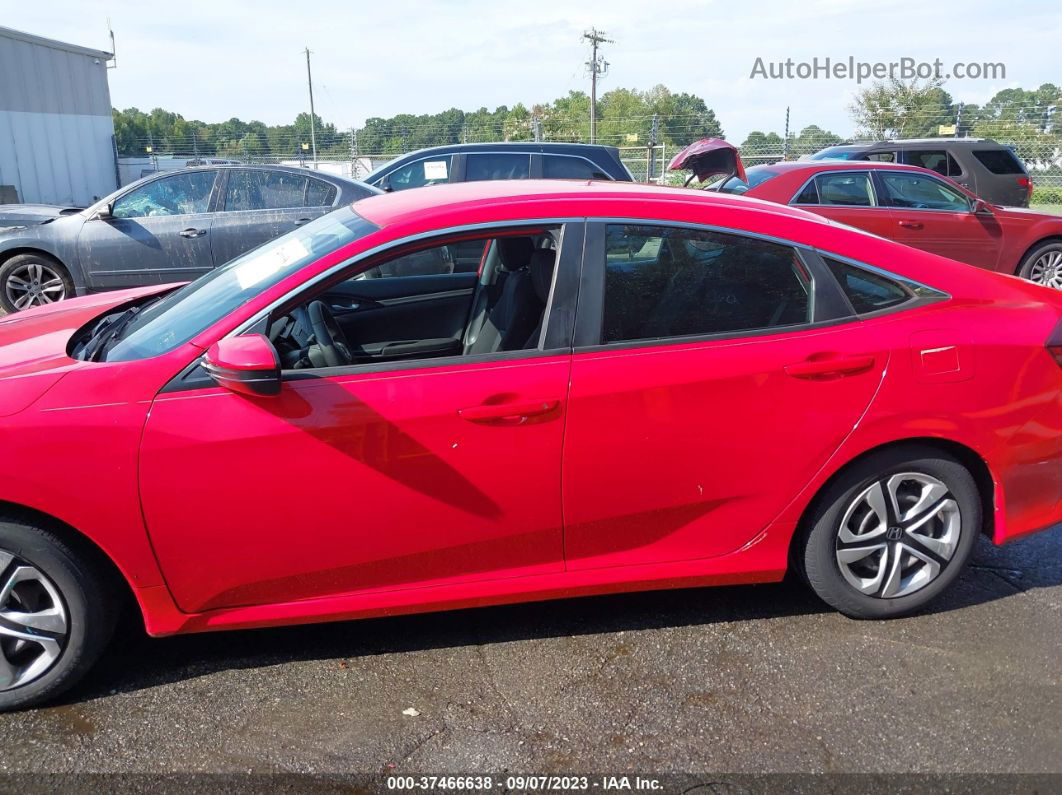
{"points": [[33, 344], [708, 157], [27, 214]]}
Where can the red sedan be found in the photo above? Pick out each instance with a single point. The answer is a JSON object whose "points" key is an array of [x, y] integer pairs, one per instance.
{"points": [[917, 207], [497, 391]]}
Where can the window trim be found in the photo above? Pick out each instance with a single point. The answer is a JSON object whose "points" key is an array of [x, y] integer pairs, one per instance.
{"points": [[870, 177], [933, 176], [827, 307], [557, 323]]}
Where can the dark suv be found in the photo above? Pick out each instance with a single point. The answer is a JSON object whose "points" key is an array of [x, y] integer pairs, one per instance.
{"points": [[989, 169], [517, 160]]}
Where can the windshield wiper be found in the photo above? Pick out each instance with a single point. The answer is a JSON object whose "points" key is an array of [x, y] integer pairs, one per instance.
{"points": [[109, 332]]}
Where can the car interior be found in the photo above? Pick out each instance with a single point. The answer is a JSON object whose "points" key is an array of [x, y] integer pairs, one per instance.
{"points": [[465, 297]]}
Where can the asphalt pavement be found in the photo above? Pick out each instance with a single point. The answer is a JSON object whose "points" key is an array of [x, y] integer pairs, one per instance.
{"points": [[760, 678]]}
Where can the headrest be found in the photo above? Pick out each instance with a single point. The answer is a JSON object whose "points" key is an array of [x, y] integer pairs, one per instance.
{"points": [[542, 262], [514, 252]]}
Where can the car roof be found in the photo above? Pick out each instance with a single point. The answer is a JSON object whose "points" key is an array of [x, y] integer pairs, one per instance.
{"points": [[916, 141], [401, 206], [853, 165]]}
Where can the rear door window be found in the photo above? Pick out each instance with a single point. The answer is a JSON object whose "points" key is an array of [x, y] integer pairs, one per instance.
{"points": [[841, 189], [935, 160], [264, 190], [564, 167], [673, 282], [999, 161], [497, 165]]}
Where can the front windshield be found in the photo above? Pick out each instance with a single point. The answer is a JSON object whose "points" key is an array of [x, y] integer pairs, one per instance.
{"points": [[186, 312], [756, 175]]}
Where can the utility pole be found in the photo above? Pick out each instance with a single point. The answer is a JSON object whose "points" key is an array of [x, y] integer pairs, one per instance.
{"points": [[958, 121], [785, 141], [313, 117], [597, 66]]}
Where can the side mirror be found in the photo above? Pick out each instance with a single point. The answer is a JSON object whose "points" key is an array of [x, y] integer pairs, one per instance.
{"points": [[106, 212], [982, 207], [385, 184], [247, 364]]}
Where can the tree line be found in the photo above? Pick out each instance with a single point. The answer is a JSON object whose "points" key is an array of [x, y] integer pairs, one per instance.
{"points": [[625, 117]]}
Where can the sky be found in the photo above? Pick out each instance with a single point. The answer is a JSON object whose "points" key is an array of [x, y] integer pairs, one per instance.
{"points": [[216, 60]]}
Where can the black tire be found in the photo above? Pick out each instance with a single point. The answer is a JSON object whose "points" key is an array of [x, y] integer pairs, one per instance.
{"points": [[1054, 274], [20, 262], [86, 593], [819, 553]]}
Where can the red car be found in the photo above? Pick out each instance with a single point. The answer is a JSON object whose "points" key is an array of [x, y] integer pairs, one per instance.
{"points": [[601, 387], [919, 208]]}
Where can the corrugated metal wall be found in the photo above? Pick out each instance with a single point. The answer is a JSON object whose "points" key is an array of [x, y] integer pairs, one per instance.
{"points": [[56, 132]]}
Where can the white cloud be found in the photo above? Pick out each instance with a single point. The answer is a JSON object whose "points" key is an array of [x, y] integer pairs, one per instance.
{"points": [[213, 61]]}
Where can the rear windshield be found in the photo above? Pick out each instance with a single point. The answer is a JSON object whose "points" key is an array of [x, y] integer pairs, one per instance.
{"points": [[186, 312], [757, 175], [999, 161]]}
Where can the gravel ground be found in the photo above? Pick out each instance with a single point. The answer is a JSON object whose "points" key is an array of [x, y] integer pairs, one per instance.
{"points": [[758, 678]]}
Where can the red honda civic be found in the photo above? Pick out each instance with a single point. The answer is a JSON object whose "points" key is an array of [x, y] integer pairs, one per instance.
{"points": [[917, 207], [504, 391]]}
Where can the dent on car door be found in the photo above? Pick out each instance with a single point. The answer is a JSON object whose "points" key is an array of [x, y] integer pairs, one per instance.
{"points": [[261, 204], [158, 232], [360, 480], [703, 396]]}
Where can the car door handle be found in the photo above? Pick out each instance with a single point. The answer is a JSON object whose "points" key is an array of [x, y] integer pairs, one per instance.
{"points": [[193, 232], [516, 413], [832, 366], [302, 221], [911, 224]]}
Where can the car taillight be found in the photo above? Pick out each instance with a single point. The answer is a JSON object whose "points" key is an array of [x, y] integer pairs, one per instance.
{"points": [[1025, 182], [1054, 344]]}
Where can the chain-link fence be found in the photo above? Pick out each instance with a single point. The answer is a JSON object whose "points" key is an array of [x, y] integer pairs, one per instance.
{"points": [[339, 153]]}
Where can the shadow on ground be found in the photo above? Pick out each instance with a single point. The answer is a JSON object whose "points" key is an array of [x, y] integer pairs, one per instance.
{"points": [[136, 662]]}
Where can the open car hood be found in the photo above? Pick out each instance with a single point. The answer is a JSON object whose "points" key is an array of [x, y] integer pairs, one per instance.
{"points": [[709, 157]]}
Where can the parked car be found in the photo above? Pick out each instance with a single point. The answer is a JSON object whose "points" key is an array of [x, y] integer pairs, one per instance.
{"points": [[917, 207], [510, 160], [639, 387], [982, 166], [168, 227]]}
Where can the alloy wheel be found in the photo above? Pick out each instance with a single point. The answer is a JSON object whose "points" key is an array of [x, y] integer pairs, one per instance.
{"points": [[34, 284], [33, 622], [898, 535], [1047, 269]]}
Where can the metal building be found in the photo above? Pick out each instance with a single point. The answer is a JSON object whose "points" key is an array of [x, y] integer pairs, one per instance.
{"points": [[56, 131]]}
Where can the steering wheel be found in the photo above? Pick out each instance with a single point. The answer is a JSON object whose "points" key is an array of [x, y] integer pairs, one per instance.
{"points": [[328, 335]]}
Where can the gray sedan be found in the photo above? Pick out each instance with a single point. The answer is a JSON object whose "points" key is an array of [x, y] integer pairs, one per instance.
{"points": [[168, 227]]}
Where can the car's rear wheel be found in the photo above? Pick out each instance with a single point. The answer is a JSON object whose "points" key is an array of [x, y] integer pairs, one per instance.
{"points": [[892, 532], [28, 280], [1043, 265], [57, 614]]}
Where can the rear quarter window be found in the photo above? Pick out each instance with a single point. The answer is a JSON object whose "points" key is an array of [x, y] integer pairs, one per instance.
{"points": [[872, 292], [999, 161]]}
